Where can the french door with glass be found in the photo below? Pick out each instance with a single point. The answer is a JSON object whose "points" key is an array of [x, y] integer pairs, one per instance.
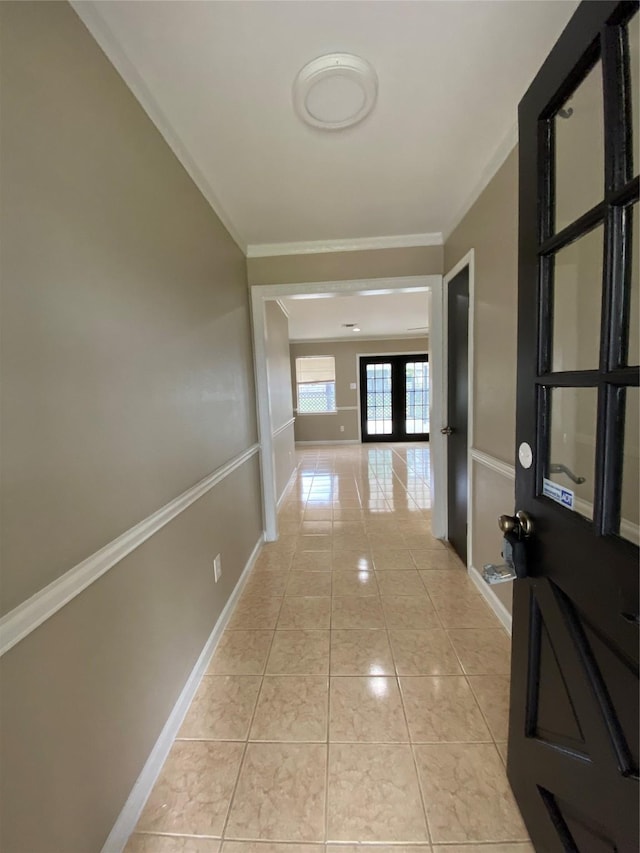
{"points": [[394, 397]]}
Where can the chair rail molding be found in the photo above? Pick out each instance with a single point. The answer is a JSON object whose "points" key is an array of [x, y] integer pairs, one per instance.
{"points": [[26, 617]]}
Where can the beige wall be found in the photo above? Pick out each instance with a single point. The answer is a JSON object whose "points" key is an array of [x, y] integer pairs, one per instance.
{"points": [[326, 427], [491, 229], [346, 266], [279, 379], [127, 378], [85, 696]]}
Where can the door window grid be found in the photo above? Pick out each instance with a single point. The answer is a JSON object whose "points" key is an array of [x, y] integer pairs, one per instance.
{"points": [[379, 419], [613, 212], [417, 397]]}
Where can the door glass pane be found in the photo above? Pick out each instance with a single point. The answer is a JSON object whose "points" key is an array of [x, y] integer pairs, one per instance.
{"points": [[570, 468], [634, 72], [629, 512], [577, 295], [579, 150], [417, 397], [634, 309], [379, 421]]}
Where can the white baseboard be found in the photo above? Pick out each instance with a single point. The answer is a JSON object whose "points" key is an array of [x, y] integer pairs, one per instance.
{"points": [[288, 487], [128, 817], [491, 598], [339, 441]]}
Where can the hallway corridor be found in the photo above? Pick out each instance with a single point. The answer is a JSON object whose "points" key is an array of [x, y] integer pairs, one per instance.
{"points": [[359, 693]]}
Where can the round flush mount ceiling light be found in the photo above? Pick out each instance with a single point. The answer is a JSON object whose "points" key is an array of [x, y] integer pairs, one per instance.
{"points": [[335, 91]]}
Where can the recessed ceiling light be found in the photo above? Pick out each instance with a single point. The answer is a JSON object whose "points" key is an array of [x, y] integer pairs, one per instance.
{"points": [[335, 91], [356, 329], [353, 327]]}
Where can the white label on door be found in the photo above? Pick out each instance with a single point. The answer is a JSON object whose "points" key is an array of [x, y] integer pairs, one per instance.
{"points": [[525, 455], [557, 493]]}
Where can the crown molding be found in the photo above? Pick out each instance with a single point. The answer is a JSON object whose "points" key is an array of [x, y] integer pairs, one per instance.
{"points": [[113, 50], [509, 142], [358, 244], [359, 339]]}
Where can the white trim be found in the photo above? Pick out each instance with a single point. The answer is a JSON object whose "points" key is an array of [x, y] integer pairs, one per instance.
{"points": [[259, 294], [332, 412], [338, 441], [491, 598], [288, 487], [397, 337], [263, 399], [437, 398], [26, 617], [506, 146], [497, 465], [128, 817], [101, 32], [357, 244], [403, 284], [283, 308], [282, 428]]}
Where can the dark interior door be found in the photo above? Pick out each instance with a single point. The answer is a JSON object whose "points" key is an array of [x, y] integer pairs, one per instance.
{"points": [[573, 741], [394, 398], [457, 410]]}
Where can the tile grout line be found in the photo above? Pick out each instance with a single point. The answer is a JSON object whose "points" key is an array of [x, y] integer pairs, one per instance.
{"points": [[406, 722], [246, 742], [328, 730]]}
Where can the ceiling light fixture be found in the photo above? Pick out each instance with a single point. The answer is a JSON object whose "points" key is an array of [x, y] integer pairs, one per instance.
{"points": [[335, 91], [354, 327]]}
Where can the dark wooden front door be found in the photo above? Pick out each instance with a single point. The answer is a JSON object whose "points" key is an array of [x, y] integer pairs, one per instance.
{"points": [[394, 397], [573, 740], [457, 410]]}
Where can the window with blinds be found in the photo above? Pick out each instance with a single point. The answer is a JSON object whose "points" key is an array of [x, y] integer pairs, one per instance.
{"points": [[316, 383]]}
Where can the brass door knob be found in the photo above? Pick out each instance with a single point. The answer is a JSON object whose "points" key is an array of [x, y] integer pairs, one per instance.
{"points": [[520, 523]]}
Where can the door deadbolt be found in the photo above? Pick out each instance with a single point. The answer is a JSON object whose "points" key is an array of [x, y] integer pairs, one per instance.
{"points": [[447, 430]]}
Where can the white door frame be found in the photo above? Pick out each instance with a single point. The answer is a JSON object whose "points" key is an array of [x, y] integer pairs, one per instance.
{"points": [[467, 261], [260, 293]]}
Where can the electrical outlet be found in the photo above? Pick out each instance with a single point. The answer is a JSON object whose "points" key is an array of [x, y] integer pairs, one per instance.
{"points": [[341, 428], [217, 568]]}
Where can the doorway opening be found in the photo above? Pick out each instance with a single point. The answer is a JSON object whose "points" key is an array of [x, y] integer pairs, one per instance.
{"points": [[263, 294]]}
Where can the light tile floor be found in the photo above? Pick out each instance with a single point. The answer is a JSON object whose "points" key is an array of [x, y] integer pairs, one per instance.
{"points": [[359, 693]]}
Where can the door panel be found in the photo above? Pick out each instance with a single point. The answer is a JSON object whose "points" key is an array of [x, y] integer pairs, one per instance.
{"points": [[394, 398], [573, 736], [458, 410]]}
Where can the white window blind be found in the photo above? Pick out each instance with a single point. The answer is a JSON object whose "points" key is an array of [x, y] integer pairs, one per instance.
{"points": [[315, 378], [316, 368]]}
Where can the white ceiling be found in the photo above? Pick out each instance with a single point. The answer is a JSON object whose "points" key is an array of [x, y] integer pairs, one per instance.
{"points": [[217, 76], [377, 314]]}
